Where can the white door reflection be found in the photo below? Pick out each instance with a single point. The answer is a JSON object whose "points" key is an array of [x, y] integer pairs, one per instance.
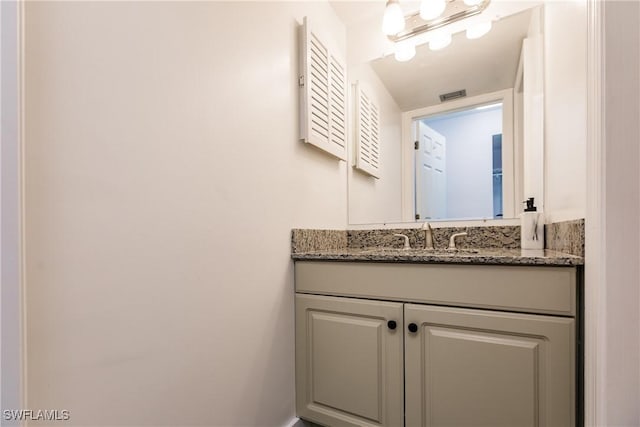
{"points": [[458, 164], [431, 179]]}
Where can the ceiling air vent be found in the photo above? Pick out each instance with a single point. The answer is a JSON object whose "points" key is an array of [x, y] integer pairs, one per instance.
{"points": [[453, 95]]}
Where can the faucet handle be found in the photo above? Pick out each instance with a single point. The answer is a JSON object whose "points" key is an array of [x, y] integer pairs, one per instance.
{"points": [[407, 246], [452, 240]]}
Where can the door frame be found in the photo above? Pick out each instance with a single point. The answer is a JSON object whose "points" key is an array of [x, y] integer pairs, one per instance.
{"points": [[612, 299], [12, 309], [595, 256], [409, 136]]}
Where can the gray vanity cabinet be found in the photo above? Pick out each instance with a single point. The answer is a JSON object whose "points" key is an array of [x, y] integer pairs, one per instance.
{"points": [[482, 368], [349, 367], [443, 362]]}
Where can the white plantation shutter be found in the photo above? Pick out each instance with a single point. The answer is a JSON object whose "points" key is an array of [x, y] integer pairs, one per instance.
{"points": [[367, 119], [323, 96], [338, 105]]}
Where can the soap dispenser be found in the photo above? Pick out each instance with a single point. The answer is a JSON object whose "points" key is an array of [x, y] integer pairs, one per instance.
{"points": [[532, 227]]}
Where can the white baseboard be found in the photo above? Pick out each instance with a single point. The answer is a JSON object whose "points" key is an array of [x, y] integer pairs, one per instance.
{"points": [[297, 422]]}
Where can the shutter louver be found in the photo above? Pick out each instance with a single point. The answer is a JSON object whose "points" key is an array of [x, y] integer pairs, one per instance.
{"points": [[367, 118], [322, 96], [338, 104]]}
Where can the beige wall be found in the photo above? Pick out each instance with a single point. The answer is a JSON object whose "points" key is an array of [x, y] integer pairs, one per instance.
{"points": [[565, 81], [163, 175]]}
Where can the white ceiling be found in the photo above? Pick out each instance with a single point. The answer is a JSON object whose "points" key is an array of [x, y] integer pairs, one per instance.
{"points": [[480, 66]]}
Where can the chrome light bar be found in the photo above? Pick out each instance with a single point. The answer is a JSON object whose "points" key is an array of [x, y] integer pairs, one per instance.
{"points": [[456, 10]]}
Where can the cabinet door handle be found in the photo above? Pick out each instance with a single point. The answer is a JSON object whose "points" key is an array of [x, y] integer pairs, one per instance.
{"points": [[413, 327], [391, 324]]}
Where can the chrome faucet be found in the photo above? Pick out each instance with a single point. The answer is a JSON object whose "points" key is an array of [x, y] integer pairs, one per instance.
{"points": [[407, 246], [428, 236], [452, 240]]}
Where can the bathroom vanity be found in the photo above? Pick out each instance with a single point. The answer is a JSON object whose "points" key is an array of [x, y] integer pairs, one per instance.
{"points": [[394, 338]]}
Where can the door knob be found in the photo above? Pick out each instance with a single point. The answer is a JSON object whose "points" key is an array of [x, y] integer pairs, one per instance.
{"points": [[413, 327], [391, 324]]}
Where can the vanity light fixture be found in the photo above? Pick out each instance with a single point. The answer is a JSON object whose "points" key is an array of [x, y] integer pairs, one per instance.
{"points": [[433, 14], [393, 19], [415, 24], [478, 30], [440, 40], [404, 51], [432, 9]]}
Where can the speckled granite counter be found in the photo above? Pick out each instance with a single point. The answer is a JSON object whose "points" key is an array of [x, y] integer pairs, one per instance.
{"points": [[490, 245], [483, 256]]}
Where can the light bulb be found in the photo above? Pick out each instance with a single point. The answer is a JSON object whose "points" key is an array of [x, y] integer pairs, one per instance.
{"points": [[393, 19], [472, 2], [478, 30], [440, 41], [431, 9], [404, 52]]}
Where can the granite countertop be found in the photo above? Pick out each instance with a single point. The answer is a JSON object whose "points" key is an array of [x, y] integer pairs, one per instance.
{"points": [[482, 256], [482, 245]]}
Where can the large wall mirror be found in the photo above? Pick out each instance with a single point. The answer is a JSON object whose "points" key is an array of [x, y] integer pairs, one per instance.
{"points": [[462, 126], [463, 158]]}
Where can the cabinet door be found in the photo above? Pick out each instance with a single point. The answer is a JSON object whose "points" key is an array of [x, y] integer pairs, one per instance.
{"points": [[349, 361], [484, 368]]}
